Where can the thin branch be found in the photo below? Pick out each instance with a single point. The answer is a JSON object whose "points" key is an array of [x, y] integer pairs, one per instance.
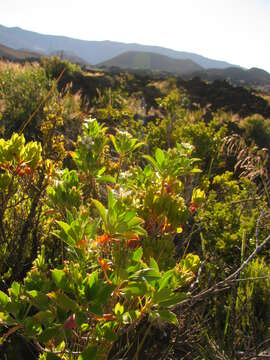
{"points": [[42, 349], [226, 283]]}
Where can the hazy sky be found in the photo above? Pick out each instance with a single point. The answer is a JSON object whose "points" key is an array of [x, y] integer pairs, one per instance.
{"points": [[237, 31]]}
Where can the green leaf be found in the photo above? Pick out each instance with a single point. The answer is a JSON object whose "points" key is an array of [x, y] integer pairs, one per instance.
{"points": [[33, 294], [115, 145], [51, 356], [160, 157], [96, 309], [152, 161], [174, 299], [4, 299], [130, 215], [154, 265], [7, 319], [169, 316], [64, 226], [135, 221], [65, 302], [135, 288], [101, 171], [44, 317], [118, 309], [50, 333], [68, 238], [137, 255], [148, 170], [93, 279], [149, 274], [104, 292], [91, 287], [139, 144], [162, 295], [106, 178], [81, 318], [196, 171], [166, 277], [38, 299], [109, 334], [58, 277], [102, 210], [111, 200], [15, 287], [130, 316], [90, 353]]}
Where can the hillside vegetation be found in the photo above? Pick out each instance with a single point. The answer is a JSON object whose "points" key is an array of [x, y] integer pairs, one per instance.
{"points": [[253, 76], [134, 216]]}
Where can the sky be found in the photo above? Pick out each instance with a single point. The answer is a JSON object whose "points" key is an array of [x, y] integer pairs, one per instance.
{"points": [[237, 31]]}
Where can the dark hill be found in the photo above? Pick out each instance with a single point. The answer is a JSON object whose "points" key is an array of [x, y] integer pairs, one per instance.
{"points": [[16, 55], [220, 95], [151, 61], [253, 76]]}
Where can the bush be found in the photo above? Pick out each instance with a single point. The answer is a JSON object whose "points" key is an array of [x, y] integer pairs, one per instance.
{"points": [[256, 129], [22, 93]]}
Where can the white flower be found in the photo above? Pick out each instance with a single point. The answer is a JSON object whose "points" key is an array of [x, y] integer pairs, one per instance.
{"points": [[90, 120], [124, 133]]}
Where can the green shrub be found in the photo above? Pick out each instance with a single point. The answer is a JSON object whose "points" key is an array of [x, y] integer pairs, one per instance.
{"points": [[256, 129], [22, 93]]}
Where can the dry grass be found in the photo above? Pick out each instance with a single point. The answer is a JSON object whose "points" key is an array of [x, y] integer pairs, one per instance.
{"points": [[94, 74], [251, 161], [267, 98], [265, 95], [16, 67], [164, 85]]}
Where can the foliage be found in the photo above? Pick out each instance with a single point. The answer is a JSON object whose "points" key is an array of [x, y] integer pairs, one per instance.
{"points": [[103, 270], [21, 93], [54, 66], [21, 183], [258, 129], [117, 224]]}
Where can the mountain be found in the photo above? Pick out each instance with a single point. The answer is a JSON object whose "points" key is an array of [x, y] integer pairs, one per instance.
{"points": [[11, 54], [93, 52], [187, 68], [151, 61], [133, 56], [253, 76]]}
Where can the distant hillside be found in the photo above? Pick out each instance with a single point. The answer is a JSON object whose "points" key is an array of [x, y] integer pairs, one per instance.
{"points": [[15, 55], [151, 61], [70, 56], [253, 76], [93, 52]]}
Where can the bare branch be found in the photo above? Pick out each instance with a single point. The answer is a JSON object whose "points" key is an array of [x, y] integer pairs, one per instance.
{"points": [[226, 283]]}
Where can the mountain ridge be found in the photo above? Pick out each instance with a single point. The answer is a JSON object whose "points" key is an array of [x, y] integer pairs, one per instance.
{"points": [[93, 52]]}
